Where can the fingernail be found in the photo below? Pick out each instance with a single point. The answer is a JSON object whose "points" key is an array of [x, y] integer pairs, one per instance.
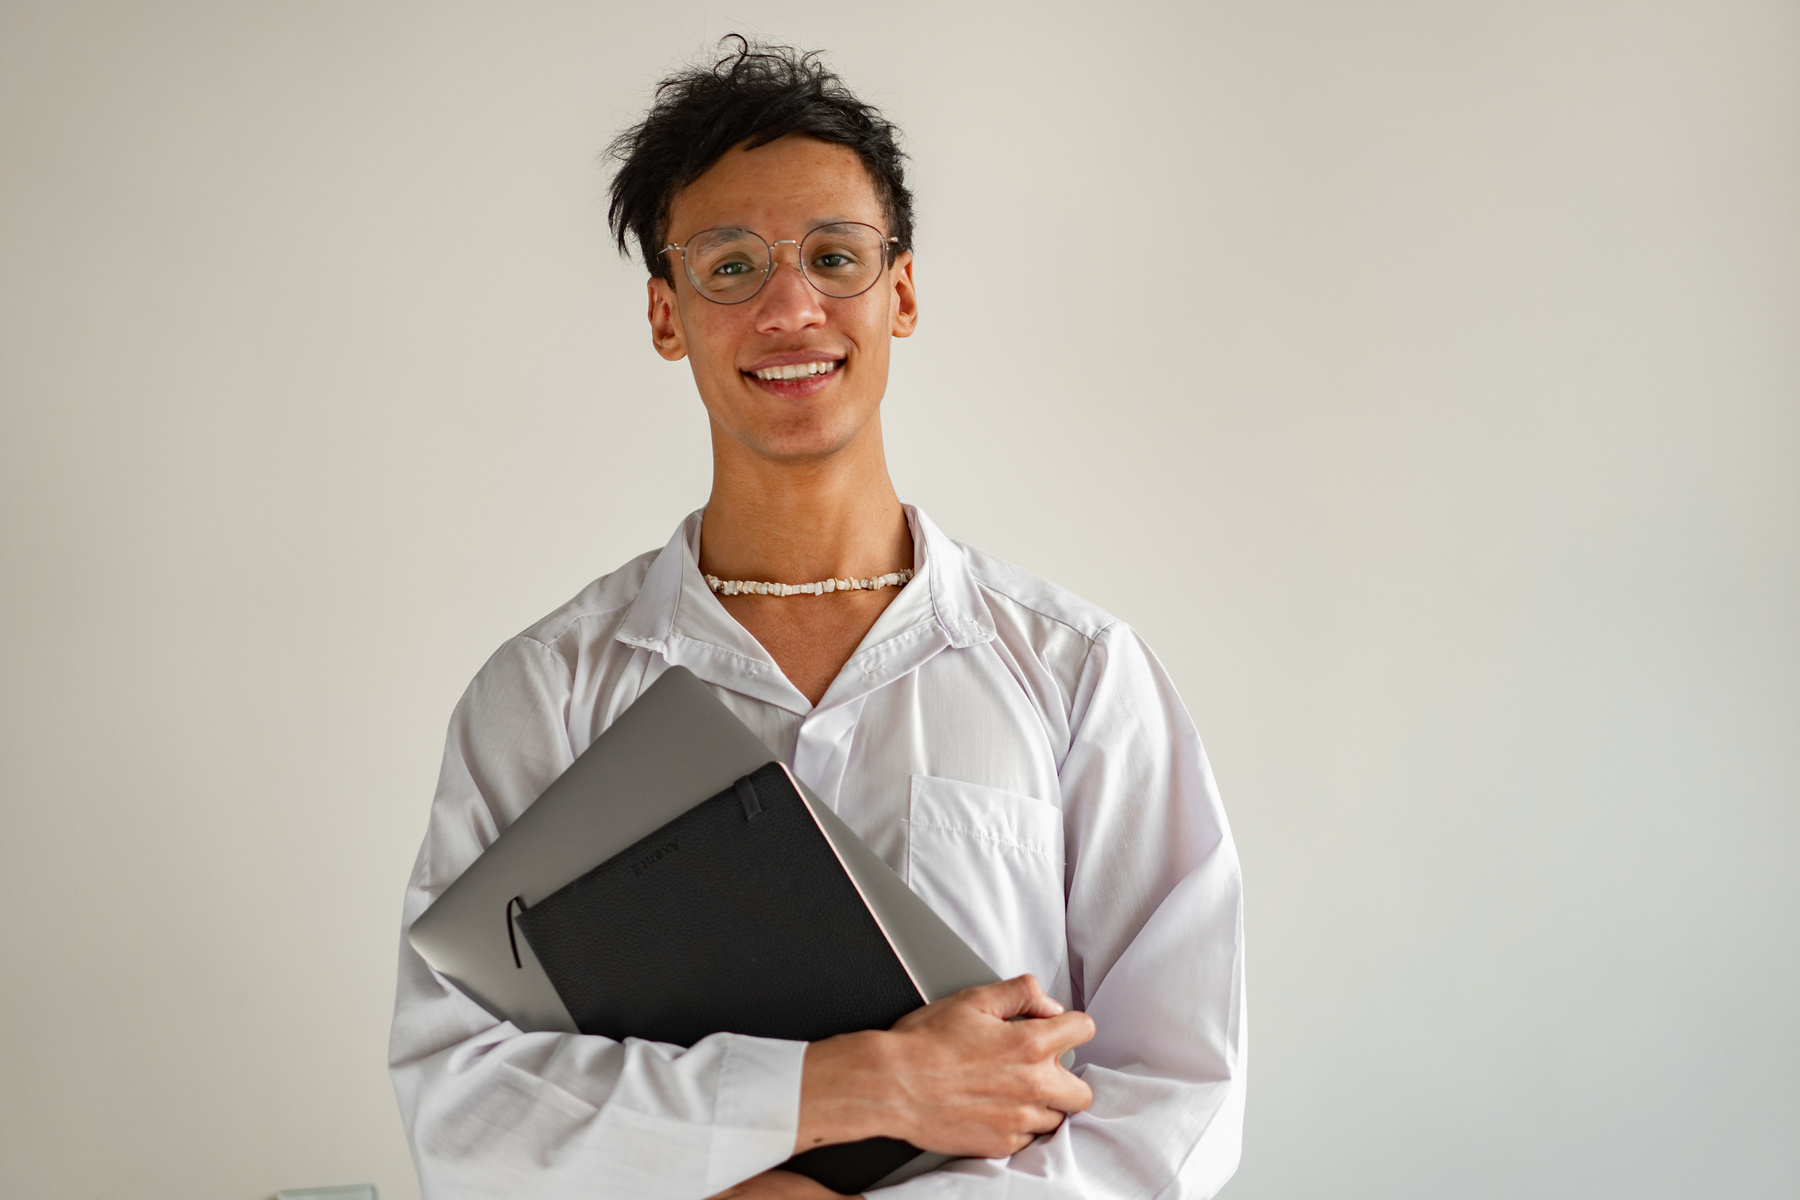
{"points": [[1056, 1006]]}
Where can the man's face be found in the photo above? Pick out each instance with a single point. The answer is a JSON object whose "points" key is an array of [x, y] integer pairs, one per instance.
{"points": [[783, 191]]}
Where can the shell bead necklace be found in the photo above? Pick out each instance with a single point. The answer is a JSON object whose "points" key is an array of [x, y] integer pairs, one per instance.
{"points": [[750, 587]]}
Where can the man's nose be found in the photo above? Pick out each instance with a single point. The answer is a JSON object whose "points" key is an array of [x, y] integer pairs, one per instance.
{"points": [[788, 300]]}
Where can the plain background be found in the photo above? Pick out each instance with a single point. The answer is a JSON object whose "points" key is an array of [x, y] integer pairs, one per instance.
{"points": [[1422, 379]]}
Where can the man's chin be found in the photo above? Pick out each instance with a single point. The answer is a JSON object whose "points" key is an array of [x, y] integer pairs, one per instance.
{"points": [[811, 443], [801, 452], [797, 432]]}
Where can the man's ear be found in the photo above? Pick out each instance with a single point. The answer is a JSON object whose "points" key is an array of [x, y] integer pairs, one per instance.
{"points": [[906, 300], [666, 333]]}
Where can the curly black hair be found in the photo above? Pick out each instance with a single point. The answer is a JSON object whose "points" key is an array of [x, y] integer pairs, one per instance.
{"points": [[751, 96]]}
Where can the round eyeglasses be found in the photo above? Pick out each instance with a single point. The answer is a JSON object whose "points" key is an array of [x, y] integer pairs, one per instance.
{"points": [[729, 266]]}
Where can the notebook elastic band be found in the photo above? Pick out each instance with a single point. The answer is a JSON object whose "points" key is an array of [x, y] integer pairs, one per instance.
{"points": [[746, 793]]}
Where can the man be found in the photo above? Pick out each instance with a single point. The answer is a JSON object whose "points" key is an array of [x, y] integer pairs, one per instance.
{"points": [[1016, 754]]}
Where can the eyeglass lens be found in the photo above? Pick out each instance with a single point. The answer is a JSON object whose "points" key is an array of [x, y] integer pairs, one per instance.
{"points": [[731, 265]]}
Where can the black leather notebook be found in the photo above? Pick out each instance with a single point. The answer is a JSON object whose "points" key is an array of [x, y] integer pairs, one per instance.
{"points": [[734, 917]]}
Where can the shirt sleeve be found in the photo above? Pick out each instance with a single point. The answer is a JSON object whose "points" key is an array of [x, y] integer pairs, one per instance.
{"points": [[491, 1111], [1156, 956]]}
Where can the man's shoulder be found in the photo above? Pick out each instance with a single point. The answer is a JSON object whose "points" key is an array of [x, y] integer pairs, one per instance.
{"points": [[596, 611], [1033, 598]]}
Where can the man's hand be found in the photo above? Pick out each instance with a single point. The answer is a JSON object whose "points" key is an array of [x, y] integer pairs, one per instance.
{"points": [[777, 1185], [961, 1076]]}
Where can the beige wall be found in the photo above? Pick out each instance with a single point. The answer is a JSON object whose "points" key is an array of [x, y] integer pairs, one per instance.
{"points": [[1420, 378]]}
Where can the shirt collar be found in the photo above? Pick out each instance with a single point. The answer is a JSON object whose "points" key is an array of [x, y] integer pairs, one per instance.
{"points": [[955, 597], [677, 615]]}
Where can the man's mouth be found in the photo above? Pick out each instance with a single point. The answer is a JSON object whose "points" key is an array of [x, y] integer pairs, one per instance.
{"points": [[803, 370]]}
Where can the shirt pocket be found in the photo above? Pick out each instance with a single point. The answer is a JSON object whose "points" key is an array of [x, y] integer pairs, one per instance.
{"points": [[990, 863]]}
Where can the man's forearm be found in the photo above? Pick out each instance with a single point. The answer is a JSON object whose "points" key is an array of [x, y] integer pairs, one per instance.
{"points": [[847, 1091]]}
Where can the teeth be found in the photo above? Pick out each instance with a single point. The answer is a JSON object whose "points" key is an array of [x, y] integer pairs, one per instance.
{"points": [[795, 370]]}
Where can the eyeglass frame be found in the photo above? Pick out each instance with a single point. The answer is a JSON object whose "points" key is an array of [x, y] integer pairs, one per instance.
{"points": [[890, 247]]}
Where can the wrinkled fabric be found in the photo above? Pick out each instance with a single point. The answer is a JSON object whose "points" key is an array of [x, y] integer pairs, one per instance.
{"points": [[1016, 754]]}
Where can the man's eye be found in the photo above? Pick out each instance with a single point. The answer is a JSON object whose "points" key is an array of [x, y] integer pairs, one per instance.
{"points": [[833, 261], [732, 268]]}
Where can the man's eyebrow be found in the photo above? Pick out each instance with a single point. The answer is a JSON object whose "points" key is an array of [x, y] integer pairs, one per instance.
{"points": [[814, 223]]}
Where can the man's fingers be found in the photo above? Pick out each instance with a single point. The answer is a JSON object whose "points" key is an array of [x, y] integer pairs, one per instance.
{"points": [[774, 1185], [1050, 1036], [1019, 996], [1045, 1120], [1068, 1093]]}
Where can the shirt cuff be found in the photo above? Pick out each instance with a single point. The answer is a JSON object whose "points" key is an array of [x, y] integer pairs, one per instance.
{"points": [[756, 1115]]}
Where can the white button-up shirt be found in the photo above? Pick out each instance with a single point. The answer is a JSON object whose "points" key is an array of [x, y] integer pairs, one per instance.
{"points": [[1016, 754]]}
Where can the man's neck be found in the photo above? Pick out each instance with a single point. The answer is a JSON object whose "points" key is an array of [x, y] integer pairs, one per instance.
{"points": [[799, 522]]}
